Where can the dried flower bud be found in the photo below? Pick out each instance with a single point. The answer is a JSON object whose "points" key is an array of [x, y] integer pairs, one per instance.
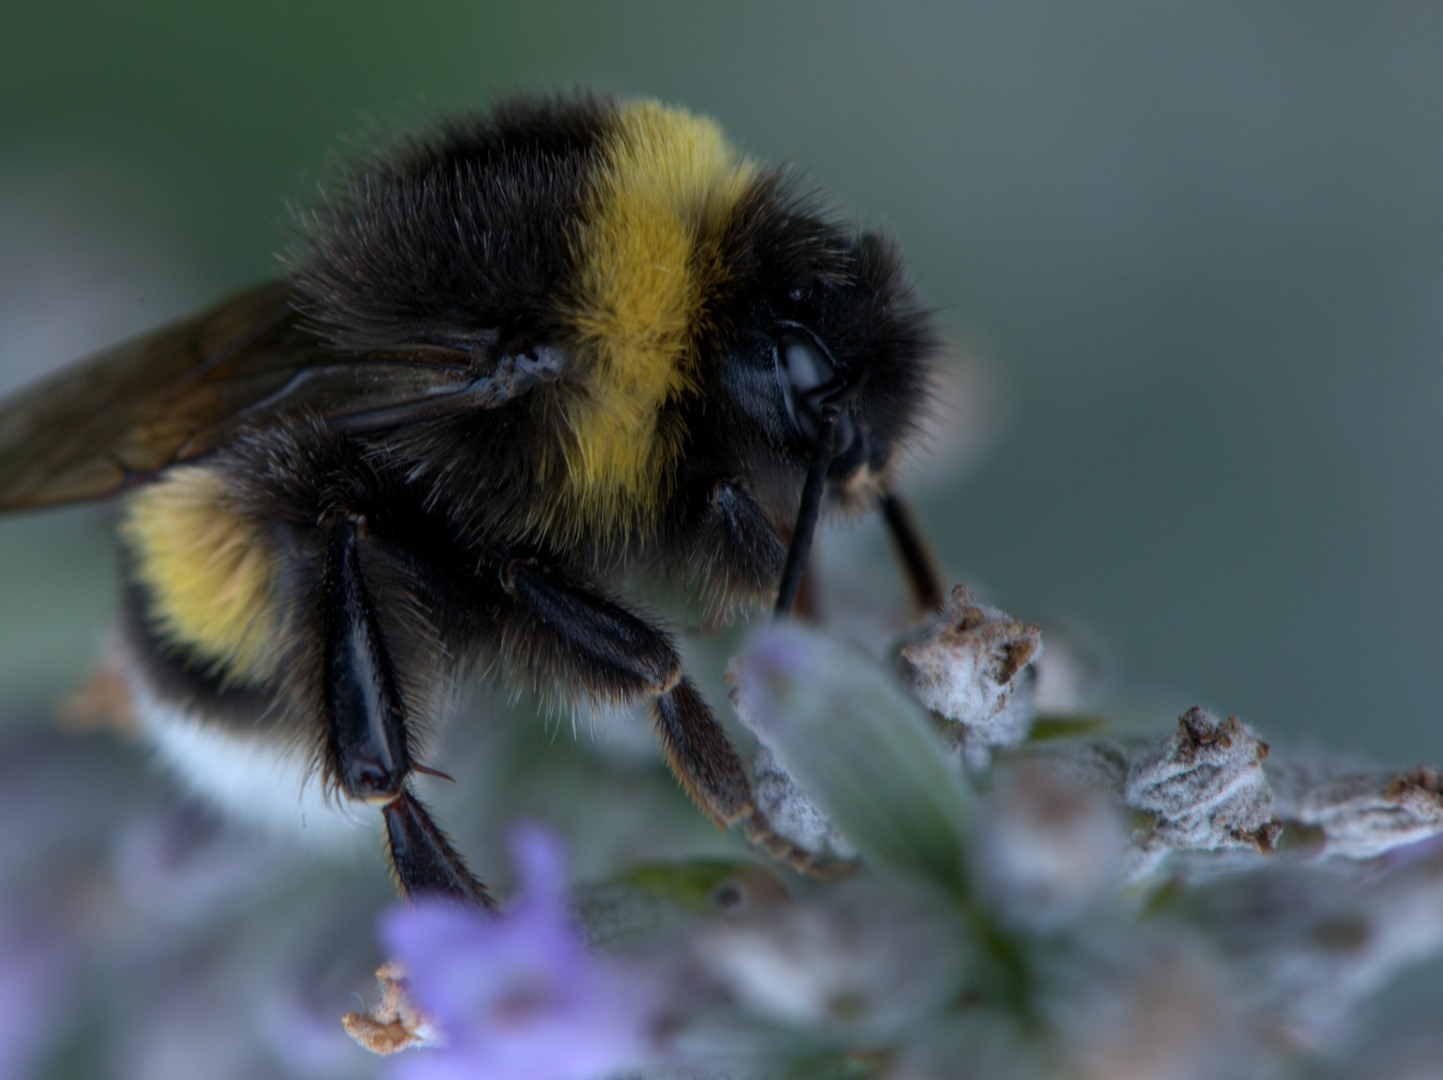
{"points": [[1206, 787], [967, 668], [395, 1023], [1044, 847], [1359, 814]]}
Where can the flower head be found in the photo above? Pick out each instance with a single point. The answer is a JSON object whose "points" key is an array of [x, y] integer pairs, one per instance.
{"points": [[520, 996]]}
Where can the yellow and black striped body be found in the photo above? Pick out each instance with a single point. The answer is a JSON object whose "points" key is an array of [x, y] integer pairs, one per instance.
{"points": [[684, 311]]}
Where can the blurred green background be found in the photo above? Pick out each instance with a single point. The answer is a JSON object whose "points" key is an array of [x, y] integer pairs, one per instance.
{"points": [[1201, 247]]}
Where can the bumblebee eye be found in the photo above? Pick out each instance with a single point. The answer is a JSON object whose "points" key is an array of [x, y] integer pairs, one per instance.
{"points": [[807, 368], [802, 370], [808, 377]]}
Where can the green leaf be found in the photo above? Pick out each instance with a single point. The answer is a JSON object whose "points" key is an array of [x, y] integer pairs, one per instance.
{"points": [[858, 746], [707, 885]]}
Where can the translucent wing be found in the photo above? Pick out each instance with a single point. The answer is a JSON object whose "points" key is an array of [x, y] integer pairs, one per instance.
{"points": [[105, 424]]}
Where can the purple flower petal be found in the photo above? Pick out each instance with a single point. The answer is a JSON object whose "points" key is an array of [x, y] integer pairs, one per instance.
{"points": [[518, 995], [35, 969], [540, 862]]}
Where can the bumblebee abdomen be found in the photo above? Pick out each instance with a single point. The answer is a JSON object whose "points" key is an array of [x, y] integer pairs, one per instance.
{"points": [[244, 769], [202, 640], [207, 573]]}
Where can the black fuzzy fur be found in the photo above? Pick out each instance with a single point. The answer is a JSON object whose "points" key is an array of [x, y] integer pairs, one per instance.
{"points": [[445, 240]]}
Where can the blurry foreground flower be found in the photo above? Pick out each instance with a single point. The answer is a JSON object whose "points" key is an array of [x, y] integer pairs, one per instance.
{"points": [[1151, 1007], [862, 961], [863, 756], [1044, 847], [519, 996], [34, 970]]}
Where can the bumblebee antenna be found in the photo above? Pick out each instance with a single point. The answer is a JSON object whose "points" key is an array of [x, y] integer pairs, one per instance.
{"points": [[807, 514]]}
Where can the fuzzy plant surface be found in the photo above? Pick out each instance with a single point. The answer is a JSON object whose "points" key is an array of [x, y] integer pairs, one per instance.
{"points": [[1027, 897], [1013, 886]]}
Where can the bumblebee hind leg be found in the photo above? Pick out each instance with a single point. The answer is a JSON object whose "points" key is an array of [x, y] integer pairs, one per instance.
{"points": [[368, 734]]}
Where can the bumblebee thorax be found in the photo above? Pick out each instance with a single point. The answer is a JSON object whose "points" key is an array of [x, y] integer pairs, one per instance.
{"points": [[647, 261]]}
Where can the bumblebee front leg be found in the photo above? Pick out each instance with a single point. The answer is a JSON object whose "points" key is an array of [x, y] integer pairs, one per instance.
{"points": [[368, 738], [918, 563]]}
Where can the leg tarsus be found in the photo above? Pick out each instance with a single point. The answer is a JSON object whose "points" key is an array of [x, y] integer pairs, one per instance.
{"points": [[759, 831], [423, 858]]}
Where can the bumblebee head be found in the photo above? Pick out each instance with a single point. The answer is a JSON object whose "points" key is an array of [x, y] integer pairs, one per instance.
{"points": [[812, 319]]}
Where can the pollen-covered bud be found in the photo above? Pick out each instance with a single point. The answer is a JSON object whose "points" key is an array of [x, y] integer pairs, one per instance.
{"points": [[1358, 814], [791, 814], [1206, 787], [967, 668], [855, 746]]}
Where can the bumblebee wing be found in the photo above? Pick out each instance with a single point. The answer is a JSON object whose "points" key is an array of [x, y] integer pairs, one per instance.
{"points": [[89, 429], [114, 421]]}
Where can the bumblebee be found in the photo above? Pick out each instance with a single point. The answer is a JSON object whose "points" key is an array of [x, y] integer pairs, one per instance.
{"points": [[510, 363]]}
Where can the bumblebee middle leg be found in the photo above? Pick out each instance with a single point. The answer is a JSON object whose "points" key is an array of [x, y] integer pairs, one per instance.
{"points": [[700, 754], [368, 738]]}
